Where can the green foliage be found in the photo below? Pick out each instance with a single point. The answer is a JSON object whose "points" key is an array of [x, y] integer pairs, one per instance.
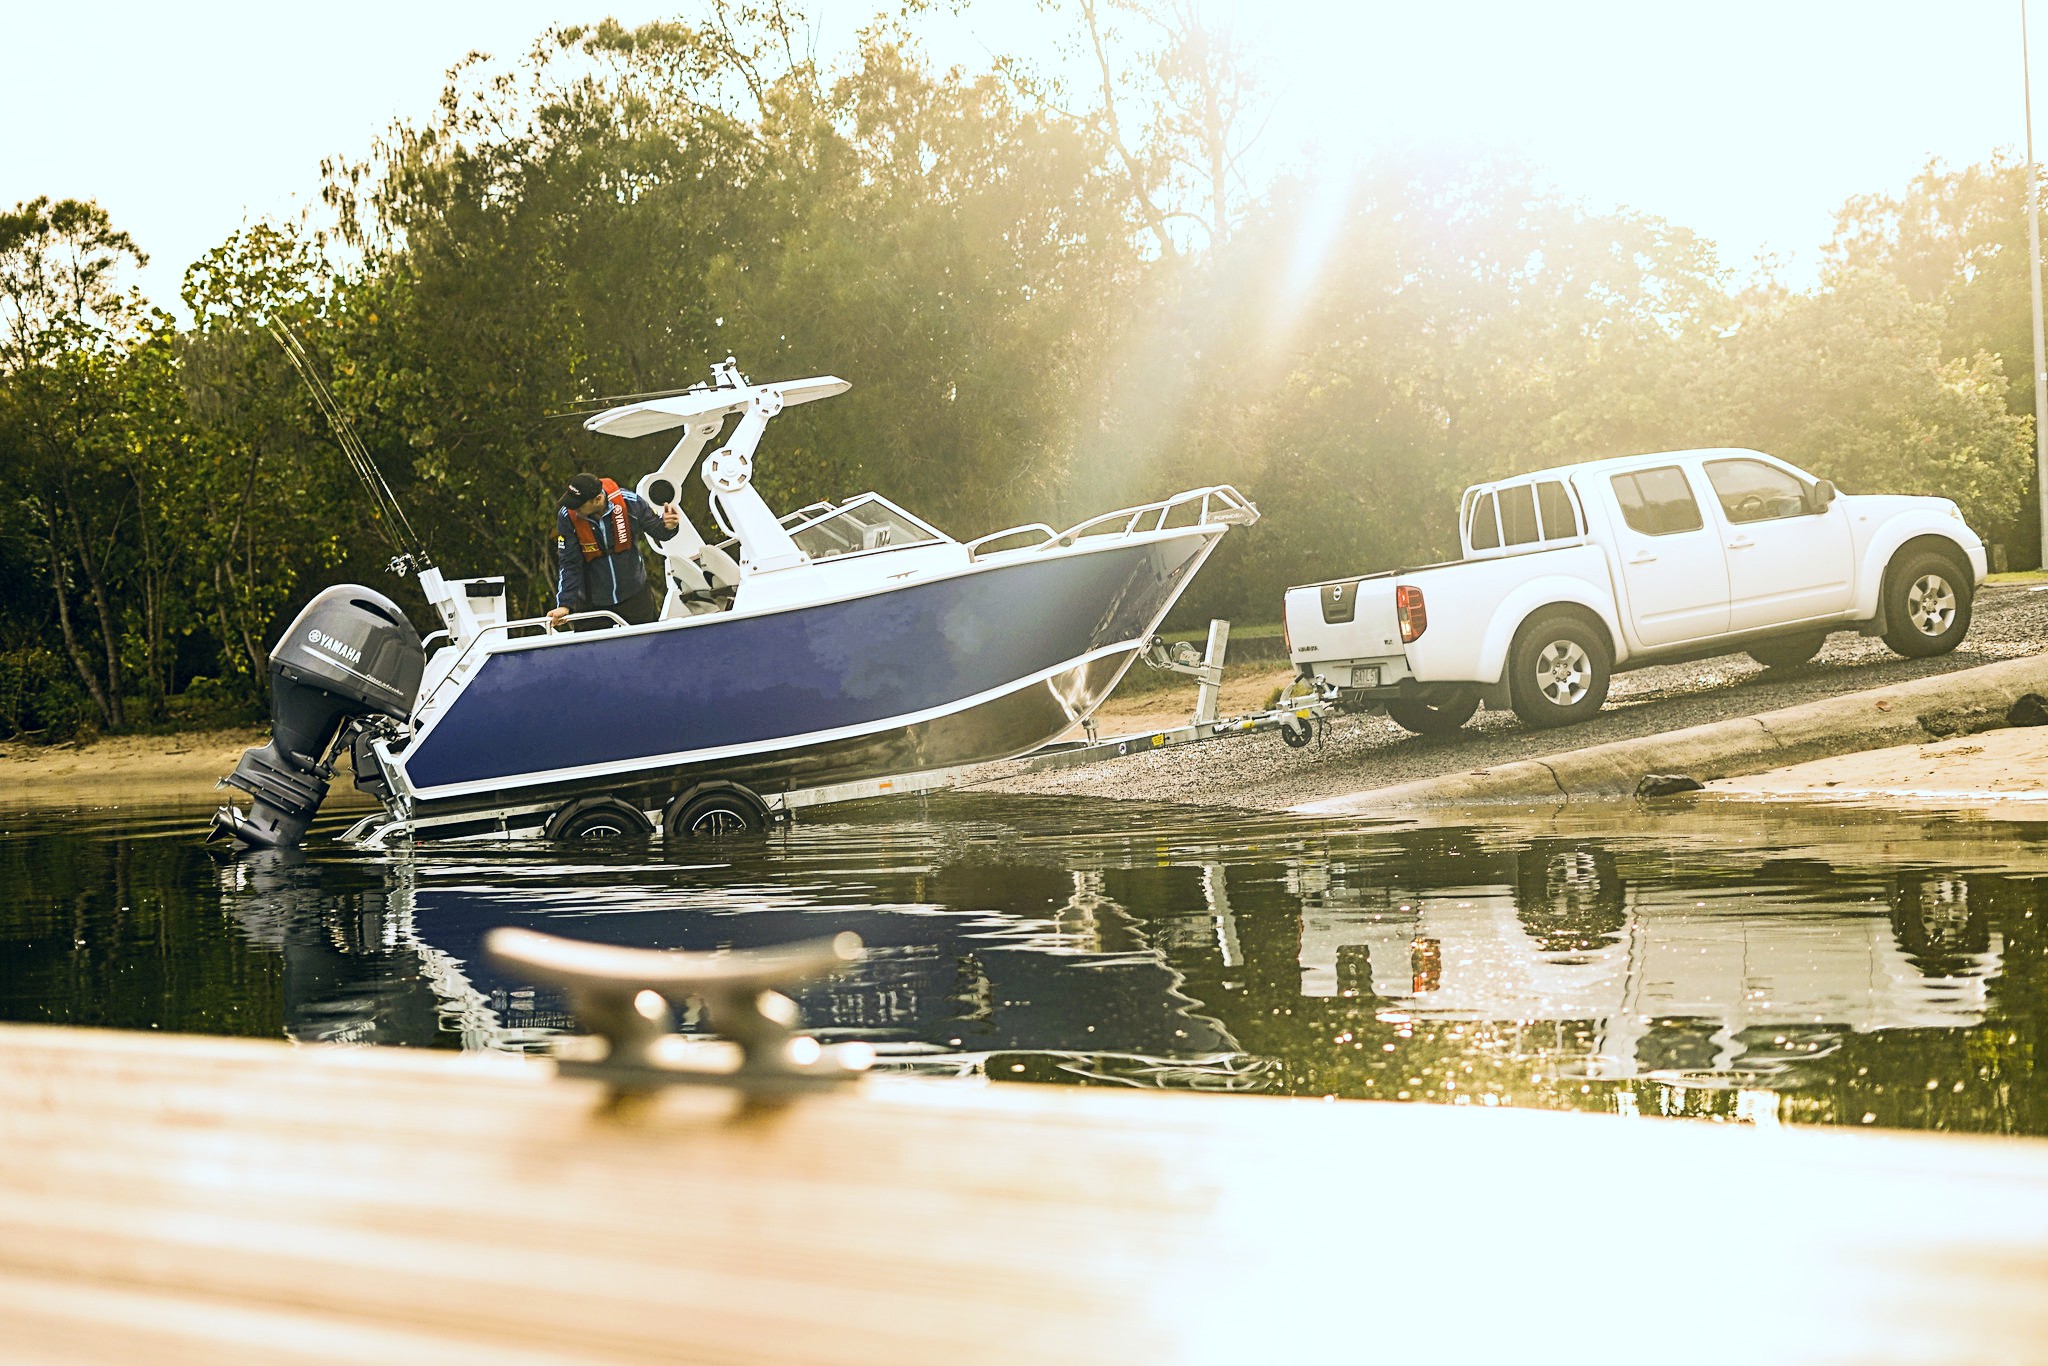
{"points": [[39, 699], [1050, 301]]}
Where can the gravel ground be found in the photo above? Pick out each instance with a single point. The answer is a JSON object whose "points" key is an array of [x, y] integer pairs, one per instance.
{"points": [[1368, 751]]}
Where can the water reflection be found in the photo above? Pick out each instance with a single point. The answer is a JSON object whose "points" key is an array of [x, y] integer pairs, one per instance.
{"points": [[1780, 968]]}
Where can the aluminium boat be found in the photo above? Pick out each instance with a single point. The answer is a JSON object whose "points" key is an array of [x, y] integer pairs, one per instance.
{"points": [[841, 643]]}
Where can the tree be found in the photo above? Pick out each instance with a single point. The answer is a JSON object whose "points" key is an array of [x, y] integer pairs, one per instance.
{"points": [[64, 320]]}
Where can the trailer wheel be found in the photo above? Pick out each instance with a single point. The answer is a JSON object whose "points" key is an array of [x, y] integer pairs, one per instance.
{"points": [[598, 819], [1439, 711], [714, 811], [1926, 604], [1558, 670]]}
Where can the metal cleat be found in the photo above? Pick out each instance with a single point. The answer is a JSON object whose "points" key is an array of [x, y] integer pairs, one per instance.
{"points": [[626, 997]]}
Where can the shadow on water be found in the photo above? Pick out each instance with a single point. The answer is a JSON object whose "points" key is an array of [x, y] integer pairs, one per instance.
{"points": [[1762, 964]]}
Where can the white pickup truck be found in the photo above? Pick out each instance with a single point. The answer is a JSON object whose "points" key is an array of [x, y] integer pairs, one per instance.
{"points": [[1572, 573]]}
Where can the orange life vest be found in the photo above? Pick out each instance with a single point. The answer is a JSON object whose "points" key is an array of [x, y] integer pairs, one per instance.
{"points": [[617, 524]]}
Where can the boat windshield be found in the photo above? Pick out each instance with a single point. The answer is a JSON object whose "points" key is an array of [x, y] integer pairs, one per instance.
{"points": [[869, 522]]}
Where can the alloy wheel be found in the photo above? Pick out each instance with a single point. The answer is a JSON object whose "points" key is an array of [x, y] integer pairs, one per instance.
{"points": [[1564, 673], [1931, 604]]}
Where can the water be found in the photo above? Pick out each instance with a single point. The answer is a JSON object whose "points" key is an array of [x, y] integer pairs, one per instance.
{"points": [[1769, 965]]}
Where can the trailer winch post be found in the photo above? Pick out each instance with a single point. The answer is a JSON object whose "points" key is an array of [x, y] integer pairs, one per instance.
{"points": [[1209, 690]]}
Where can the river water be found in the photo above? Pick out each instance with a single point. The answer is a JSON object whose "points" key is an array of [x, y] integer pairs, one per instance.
{"points": [[1772, 965]]}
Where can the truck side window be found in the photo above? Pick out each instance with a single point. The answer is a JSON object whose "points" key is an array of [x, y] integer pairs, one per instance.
{"points": [[1657, 502], [1751, 491], [1485, 531], [1560, 519], [1518, 514]]}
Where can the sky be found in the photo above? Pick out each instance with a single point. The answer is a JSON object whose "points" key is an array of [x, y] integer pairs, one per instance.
{"points": [[1749, 122]]}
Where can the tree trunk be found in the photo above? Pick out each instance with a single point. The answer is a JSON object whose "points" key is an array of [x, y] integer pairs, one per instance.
{"points": [[110, 639], [71, 645]]}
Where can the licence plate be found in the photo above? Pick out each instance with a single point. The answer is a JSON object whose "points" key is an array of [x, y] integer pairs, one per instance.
{"points": [[1367, 677]]}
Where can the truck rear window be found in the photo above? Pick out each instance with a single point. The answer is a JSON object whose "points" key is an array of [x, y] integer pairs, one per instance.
{"points": [[1518, 514], [1484, 531], [1560, 518], [1657, 502]]}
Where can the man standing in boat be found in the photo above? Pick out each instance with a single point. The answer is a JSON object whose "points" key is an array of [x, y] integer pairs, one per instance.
{"points": [[598, 552]]}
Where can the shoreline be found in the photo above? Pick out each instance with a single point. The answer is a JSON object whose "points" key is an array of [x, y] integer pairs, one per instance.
{"points": [[1869, 748]]}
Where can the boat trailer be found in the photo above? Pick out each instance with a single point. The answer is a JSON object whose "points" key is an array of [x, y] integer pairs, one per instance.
{"points": [[724, 808]]}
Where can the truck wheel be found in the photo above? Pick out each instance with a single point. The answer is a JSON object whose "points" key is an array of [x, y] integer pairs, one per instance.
{"points": [[1440, 711], [714, 811], [1558, 671], [1926, 605], [1783, 654], [598, 819]]}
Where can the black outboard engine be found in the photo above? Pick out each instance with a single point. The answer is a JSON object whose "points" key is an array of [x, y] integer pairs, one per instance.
{"points": [[350, 654]]}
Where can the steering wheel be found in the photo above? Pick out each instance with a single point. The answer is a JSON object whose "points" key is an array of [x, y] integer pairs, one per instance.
{"points": [[1749, 507]]}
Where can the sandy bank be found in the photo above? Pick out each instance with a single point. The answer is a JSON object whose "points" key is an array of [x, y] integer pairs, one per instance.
{"points": [[115, 769], [1997, 773]]}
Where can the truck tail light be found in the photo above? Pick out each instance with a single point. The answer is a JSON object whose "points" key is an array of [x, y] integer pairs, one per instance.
{"points": [[1413, 616], [1286, 632]]}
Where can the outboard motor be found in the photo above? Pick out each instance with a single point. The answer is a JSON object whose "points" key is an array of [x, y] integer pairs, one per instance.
{"points": [[350, 654]]}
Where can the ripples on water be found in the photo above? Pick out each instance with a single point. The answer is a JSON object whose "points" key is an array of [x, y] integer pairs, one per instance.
{"points": [[1762, 964]]}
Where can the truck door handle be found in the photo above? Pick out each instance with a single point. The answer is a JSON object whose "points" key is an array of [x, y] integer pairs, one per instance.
{"points": [[1642, 557], [1741, 543]]}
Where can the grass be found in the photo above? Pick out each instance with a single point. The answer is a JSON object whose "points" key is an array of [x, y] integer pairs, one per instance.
{"points": [[2019, 576], [1255, 631]]}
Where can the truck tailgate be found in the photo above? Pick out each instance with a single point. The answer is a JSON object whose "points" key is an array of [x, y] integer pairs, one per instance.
{"points": [[1346, 631]]}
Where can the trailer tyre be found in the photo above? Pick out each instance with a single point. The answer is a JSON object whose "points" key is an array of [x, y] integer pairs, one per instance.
{"points": [[1558, 670], [589, 820], [1926, 604], [1439, 711], [714, 811]]}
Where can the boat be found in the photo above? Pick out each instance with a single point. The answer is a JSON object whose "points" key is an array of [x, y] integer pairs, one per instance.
{"points": [[844, 642]]}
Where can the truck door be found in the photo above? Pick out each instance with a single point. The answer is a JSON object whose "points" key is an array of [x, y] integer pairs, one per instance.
{"points": [[1673, 569], [1786, 561]]}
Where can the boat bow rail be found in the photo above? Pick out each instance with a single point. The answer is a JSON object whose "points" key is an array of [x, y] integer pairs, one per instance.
{"points": [[1218, 505]]}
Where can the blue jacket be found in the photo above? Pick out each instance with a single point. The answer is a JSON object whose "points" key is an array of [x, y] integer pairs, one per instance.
{"points": [[608, 579]]}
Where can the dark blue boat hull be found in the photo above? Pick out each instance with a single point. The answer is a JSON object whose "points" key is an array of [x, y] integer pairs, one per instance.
{"points": [[950, 671]]}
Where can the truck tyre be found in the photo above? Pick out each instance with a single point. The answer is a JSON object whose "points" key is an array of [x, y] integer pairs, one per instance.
{"points": [[1558, 670], [1439, 711], [716, 810], [1926, 604], [1788, 651], [596, 820]]}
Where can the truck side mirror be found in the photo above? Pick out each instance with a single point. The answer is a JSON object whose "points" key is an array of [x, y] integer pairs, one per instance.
{"points": [[1823, 494]]}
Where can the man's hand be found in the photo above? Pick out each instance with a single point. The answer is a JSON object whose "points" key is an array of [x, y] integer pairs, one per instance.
{"points": [[671, 515], [557, 616]]}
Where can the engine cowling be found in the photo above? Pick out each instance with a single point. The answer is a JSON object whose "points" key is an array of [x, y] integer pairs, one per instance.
{"points": [[350, 654]]}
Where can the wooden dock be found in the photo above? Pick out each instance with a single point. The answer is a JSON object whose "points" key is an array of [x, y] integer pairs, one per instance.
{"points": [[172, 1199]]}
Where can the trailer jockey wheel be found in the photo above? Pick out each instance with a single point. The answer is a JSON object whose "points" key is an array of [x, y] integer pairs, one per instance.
{"points": [[1296, 732], [598, 819], [717, 810]]}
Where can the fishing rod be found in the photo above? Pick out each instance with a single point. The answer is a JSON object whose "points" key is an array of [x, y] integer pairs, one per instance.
{"points": [[410, 552]]}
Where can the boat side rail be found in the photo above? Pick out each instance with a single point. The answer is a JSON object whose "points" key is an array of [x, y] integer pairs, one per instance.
{"points": [[1046, 533], [505, 628]]}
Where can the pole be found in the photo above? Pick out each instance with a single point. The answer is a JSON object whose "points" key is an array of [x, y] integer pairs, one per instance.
{"points": [[2034, 284]]}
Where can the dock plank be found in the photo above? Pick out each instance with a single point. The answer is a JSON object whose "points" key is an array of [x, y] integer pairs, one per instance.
{"points": [[218, 1197]]}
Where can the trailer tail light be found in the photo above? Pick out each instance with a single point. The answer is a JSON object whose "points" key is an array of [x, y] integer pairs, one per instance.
{"points": [[1410, 612]]}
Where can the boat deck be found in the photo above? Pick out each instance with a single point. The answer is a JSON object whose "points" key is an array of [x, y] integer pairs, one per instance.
{"points": [[172, 1199]]}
